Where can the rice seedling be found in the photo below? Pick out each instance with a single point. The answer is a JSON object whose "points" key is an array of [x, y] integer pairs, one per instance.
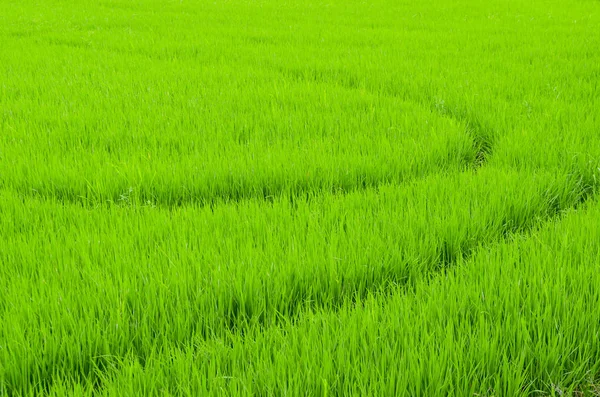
{"points": [[304, 198]]}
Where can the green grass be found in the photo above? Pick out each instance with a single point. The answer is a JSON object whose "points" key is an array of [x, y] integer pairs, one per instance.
{"points": [[519, 318], [285, 150], [208, 271], [301, 198]]}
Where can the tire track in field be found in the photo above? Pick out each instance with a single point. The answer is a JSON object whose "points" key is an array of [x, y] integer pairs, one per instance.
{"points": [[240, 189], [302, 190], [448, 256], [481, 135]]}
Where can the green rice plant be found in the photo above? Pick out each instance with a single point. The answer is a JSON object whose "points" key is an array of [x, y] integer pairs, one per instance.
{"points": [[305, 198], [81, 284], [519, 318], [191, 129], [286, 151]]}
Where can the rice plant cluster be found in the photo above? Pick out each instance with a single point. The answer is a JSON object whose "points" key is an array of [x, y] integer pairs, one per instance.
{"points": [[298, 197]]}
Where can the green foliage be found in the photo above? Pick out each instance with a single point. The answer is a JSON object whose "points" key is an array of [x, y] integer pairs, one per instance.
{"points": [[298, 198]]}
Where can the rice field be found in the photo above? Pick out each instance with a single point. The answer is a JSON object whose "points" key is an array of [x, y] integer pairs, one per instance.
{"points": [[304, 198]]}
